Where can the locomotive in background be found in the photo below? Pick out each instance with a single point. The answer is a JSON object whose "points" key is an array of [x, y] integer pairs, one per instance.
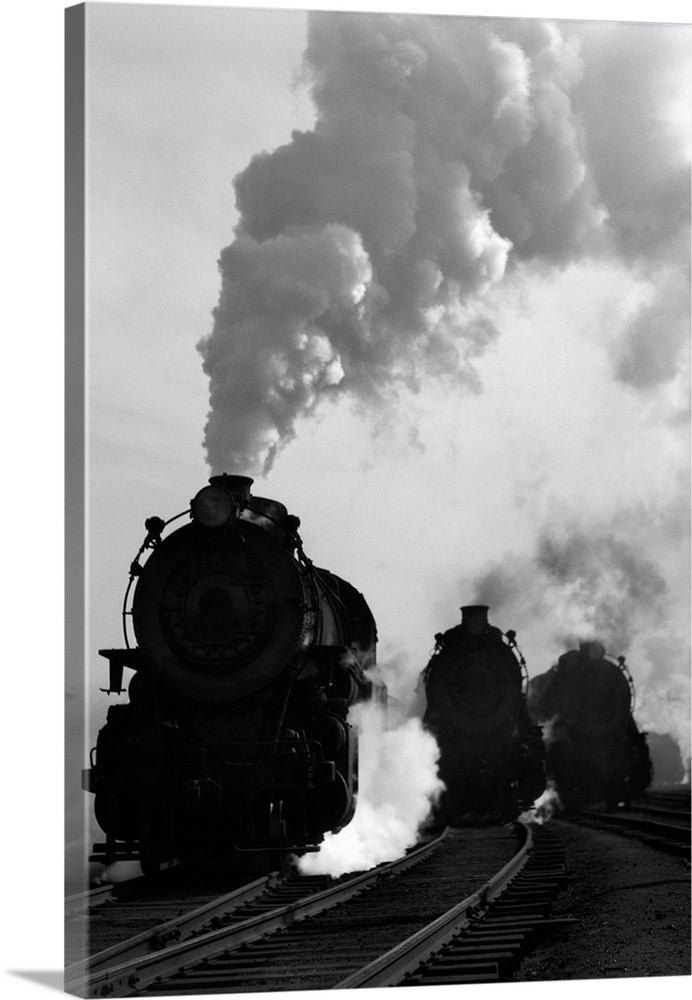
{"points": [[594, 751], [247, 658], [491, 753]]}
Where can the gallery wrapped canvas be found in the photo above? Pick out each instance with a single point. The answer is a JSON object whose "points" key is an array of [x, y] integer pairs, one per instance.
{"points": [[373, 316]]}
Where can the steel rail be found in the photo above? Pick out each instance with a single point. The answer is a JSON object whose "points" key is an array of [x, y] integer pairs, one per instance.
{"points": [[136, 973], [625, 821], [672, 793], [155, 938], [77, 903], [663, 814], [390, 968], [668, 837]]}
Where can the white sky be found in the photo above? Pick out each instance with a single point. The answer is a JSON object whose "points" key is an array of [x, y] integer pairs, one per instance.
{"points": [[176, 114]]}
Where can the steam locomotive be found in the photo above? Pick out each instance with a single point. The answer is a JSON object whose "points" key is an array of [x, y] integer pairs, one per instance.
{"points": [[247, 657], [491, 754], [594, 751]]}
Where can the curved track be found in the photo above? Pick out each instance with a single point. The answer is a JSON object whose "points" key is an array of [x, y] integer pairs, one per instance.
{"points": [[148, 920], [661, 820], [451, 893], [484, 937]]}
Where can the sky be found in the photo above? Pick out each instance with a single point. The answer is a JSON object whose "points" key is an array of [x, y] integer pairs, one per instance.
{"points": [[450, 321]]}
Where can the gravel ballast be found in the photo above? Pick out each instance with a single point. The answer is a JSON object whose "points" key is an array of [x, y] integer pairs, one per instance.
{"points": [[634, 906]]}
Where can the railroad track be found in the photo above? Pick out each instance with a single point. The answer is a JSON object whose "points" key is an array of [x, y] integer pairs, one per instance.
{"points": [[661, 820], [385, 924], [249, 911], [78, 908], [81, 903], [105, 917], [484, 938], [674, 800]]}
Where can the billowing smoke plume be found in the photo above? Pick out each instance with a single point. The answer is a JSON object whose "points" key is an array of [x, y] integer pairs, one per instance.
{"points": [[452, 162], [448, 154], [397, 787]]}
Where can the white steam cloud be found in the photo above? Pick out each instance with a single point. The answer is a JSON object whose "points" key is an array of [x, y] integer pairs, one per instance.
{"points": [[545, 807], [445, 152], [397, 787]]}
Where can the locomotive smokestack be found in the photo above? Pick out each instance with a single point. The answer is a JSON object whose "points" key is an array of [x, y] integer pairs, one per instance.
{"points": [[593, 649], [470, 611], [238, 486], [474, 618]]}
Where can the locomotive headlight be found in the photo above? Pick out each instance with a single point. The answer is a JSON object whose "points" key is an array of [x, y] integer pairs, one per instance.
{"points": [[213, 507]]}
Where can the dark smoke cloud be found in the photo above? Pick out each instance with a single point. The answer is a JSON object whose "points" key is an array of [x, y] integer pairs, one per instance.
{"points": [[581, 583], [445, 152], [394, 240]]}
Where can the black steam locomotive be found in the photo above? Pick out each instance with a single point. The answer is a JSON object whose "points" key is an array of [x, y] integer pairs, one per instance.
{"points": [[247, 657], [491, 754], [594, 751]]}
